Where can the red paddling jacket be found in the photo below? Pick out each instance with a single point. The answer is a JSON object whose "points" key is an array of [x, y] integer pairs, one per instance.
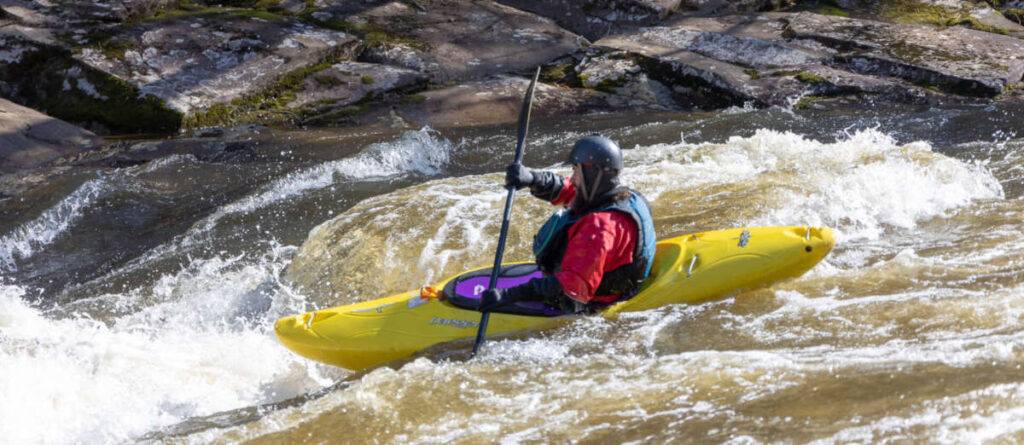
{"points": [[598, 254]]}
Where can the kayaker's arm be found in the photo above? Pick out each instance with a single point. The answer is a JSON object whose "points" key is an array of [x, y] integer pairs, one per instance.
{"points": [[544, 289], [543, 184]]}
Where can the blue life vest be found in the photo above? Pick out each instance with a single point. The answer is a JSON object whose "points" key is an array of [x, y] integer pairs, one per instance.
{"points": [[551, 241]]}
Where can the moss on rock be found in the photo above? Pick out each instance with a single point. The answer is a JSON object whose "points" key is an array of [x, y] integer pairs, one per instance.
{"points": [[1016, 15], [372, 34], [910, 12], [255, 107], [66, 89], [806, 101], [833, 11], [809, 78]]}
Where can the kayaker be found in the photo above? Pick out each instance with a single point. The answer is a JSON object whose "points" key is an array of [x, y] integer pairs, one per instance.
{"points": [[598, 248]]}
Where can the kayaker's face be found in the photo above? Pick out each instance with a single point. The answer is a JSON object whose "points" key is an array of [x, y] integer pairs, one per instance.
{"points": [[577, 177]]}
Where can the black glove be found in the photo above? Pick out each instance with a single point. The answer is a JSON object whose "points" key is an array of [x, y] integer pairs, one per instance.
{"points": [[492, 299], [545, 289], [519, 176]]}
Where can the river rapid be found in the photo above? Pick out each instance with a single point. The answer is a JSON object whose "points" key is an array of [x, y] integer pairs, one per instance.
{"points": [[137, 304]]}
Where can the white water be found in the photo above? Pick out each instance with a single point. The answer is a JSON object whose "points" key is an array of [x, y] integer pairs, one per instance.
{"points": [[201, 341], [50, 225], [425, 152], [204, 344]]}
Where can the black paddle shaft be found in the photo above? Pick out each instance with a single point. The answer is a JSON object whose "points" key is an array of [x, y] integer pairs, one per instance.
{"points": [[524, 124]]}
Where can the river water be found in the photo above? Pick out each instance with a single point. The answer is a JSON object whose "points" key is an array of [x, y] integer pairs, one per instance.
{"points": [[137, 304]]}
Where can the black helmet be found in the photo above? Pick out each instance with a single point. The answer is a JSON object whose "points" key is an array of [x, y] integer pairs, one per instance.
{"points": [[597, 150], [599, 160]]}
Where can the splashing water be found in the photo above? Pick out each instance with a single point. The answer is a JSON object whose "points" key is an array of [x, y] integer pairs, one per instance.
{"points": [[911, 330]]}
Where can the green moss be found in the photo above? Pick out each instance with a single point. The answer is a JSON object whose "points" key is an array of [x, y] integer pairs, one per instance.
{"points": [[913, 13], [833, 11], [258, 14], [273, 99], [555, 73], [268, 5], [122, 110], [119, 107], [196, 11], [328, 81], [784, 73], [372, 34], [973, 23], [809, 78], [806, 101], [414, 99], [1016, 15], [110, 47], [367, 80], [753, 74]]}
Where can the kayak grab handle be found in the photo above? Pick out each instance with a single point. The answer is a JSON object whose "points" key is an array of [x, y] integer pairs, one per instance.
{"points": [[690, 269]]}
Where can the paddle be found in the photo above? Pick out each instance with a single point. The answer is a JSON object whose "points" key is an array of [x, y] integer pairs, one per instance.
{"points": [[524, 124]]}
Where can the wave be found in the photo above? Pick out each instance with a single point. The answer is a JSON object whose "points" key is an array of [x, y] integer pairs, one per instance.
{"points": [[52, 224]]}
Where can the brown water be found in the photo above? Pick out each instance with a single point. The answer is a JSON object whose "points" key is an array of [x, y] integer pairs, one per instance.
{"points": [[911, 331]]}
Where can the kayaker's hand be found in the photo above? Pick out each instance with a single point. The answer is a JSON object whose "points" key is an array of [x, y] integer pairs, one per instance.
{"points": [[492, 299], [519, 176]]}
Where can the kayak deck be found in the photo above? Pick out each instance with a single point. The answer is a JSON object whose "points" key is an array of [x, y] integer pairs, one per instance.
{"points": [[686, 269]]}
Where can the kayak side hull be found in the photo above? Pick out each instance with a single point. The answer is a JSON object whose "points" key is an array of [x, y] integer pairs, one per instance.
{"points": [[365, 334]]}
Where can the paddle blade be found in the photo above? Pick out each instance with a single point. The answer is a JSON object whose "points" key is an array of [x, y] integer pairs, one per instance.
{"points": [[524, 117]]}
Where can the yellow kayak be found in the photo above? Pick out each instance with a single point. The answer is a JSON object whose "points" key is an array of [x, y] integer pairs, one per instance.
{"points": [[687, 269]]}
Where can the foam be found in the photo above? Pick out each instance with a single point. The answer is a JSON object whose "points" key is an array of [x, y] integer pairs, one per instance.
{"points": [[203, 345], [51, 225], [424, 152], [860, 185]]}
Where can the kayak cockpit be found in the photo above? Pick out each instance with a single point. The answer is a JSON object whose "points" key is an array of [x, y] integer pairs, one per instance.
{"points": [[464, 290]]}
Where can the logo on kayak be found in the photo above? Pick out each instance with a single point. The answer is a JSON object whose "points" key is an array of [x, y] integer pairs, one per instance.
{"points": [[454, 322], [744, 238]]}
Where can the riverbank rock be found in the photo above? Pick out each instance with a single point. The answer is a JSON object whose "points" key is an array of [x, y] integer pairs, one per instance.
{"points": [[451, 40], [160, 66], [777, 58], [30, 139], [195, 61], [953, 60], [347, 83], [498, 100], [38, 70], [598, 18]]}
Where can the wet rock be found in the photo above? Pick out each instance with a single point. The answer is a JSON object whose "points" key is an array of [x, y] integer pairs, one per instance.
{"points": [[71, 90], [768, 59], [208, 132], [993, 18], [497, 101], [30, 139], [395, 54], [193, 62], [598, 18], [954, 60], [618, 73], [453, 40], [347, 83], [690, 61]]}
